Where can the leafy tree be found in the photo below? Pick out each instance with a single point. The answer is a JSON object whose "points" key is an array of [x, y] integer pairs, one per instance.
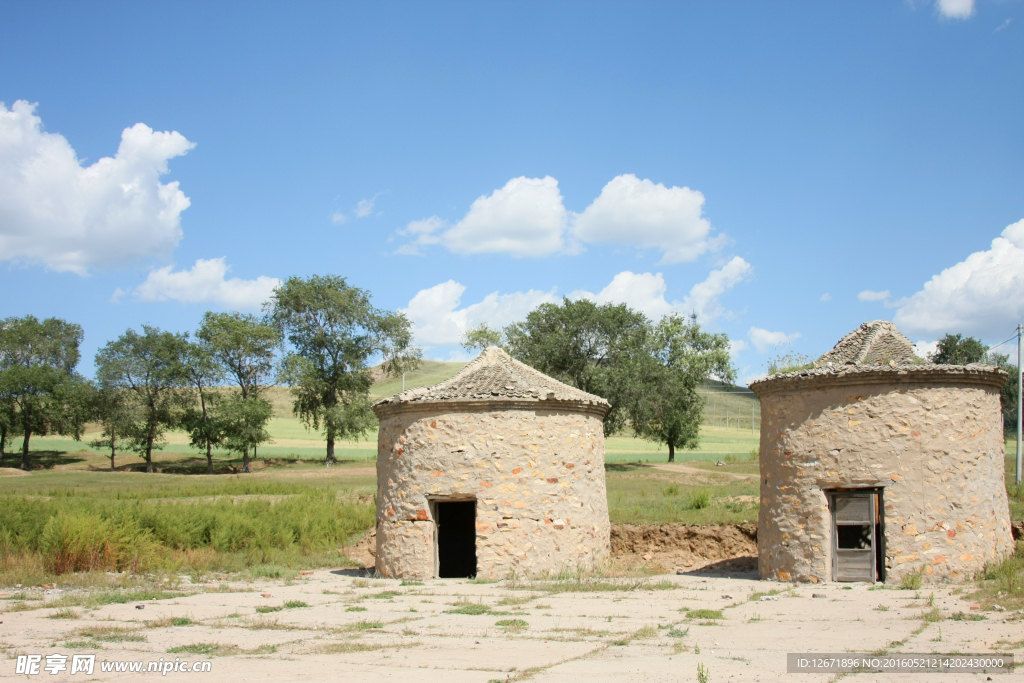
{"points": [[480, 337], [665, 406], [334, 331], [113, 408], [590, 347], [41, 392], [7, 422], [955, 349], [151, 366], [246, 347], [201, 422], [244, 424]]}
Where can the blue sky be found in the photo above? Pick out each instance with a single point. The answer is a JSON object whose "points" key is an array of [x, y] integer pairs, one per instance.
{"points": [[786, 170]]}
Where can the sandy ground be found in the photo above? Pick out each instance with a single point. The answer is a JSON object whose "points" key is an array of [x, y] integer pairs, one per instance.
{"points": [[381, 630]]}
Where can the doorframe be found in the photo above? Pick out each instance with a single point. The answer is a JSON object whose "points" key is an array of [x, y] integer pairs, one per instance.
{"points": [[878, 532], [432, 501]]}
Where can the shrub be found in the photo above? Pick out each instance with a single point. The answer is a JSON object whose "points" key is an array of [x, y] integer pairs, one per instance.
{"points": [[699, 499], [89, 543]]}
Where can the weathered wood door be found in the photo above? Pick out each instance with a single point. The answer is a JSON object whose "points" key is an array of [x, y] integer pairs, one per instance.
{"points": [[854, 535]]}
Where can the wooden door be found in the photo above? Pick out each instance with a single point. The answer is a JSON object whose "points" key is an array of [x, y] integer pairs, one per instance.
{"points": [[854, 537]]}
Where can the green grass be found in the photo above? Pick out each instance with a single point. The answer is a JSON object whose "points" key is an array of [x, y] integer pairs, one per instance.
{"points": [[704, 614], [474, 608]]}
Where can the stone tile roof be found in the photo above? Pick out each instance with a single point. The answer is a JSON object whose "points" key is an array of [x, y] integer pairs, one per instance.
{"points": [[876, 352], [495, 375], [872, 343]]}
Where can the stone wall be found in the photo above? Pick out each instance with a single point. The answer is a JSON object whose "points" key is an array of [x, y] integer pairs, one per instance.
{"points": [[935, 440], [537, 475]]}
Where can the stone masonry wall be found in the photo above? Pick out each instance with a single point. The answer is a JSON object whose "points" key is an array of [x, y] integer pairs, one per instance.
{"points": [[537, 476], [938, 446]]}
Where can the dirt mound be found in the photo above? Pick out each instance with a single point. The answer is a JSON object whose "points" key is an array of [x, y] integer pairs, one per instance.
{"points": [[686, 547], [719, 548], [364, 551]]}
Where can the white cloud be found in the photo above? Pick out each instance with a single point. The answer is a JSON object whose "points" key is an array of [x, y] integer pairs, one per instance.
{"points": [[737, 345], [703, 298], [982, 296], [765, 340], [338, 218], [204, 282], [425, 232], [955, 9], [438, 320], [645, 292], [923, 348], [55, 213], [868, 295], [1003, 25], [524, 218], [644, 214], [825, 297], [528, 218], [365, 206]]}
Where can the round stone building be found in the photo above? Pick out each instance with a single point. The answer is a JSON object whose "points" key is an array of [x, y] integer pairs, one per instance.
{"points": [[498, 469], [876, 464]]}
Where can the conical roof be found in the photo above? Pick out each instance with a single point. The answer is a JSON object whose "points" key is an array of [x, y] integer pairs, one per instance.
{"points": [[872, 343], [496, 376]]}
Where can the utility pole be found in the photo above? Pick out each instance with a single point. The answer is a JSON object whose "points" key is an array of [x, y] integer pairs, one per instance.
{"points": [[1020, 460]]}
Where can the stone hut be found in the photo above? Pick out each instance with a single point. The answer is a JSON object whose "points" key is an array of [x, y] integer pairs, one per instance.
{"points": [[876, 464], [498, 469]]}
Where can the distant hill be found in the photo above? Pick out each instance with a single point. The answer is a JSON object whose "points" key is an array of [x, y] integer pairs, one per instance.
{"points": [[726, 404]]}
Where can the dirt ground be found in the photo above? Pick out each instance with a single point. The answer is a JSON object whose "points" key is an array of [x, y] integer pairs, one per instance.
{"points": [[343, 626]]}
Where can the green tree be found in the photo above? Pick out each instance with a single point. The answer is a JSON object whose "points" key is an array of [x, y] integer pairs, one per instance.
{"points": [[480, 337], [244, 424], [38, 382], [151, 366], [955, 349], [246, 347], [112, 407], [664, 404], [590, 347], [334, 332], [204, 426]]}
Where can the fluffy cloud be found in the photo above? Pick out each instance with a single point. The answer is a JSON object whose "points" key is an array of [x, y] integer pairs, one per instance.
{"points": [[923, 348], [205, 282], [765, 340], [703, 298], [868, 295], [527, 218], [438, 320], [955, 9], [55, 213], [825, 297], [524, 218], [981, 296], [643, 292], [646, 292], [643, 214]]}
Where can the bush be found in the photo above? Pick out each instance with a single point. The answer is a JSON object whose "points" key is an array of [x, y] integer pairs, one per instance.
{"points": [[699, 499], [89, 543]]}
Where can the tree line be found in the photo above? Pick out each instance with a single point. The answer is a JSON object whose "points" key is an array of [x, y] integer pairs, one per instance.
{"points": [[649, 371], [316, 335]]}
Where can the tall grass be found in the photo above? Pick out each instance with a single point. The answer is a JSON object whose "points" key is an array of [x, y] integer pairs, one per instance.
{"points": [[72, 534]]}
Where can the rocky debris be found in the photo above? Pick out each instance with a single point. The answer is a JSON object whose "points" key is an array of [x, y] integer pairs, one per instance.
{"points": [[495, 375]]}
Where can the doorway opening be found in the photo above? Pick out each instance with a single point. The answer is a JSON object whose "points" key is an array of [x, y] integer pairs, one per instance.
{"points": [[858, 536], [456, 538]]}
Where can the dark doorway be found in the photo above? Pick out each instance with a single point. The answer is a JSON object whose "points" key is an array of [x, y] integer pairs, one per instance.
{"points": [[456, 539]]}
